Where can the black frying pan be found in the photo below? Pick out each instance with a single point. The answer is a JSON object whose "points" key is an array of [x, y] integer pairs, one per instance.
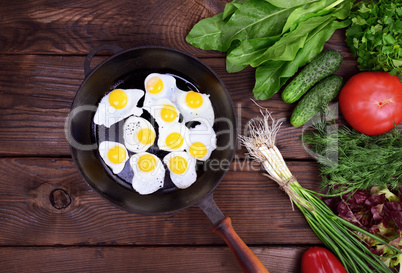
{"points": [[127, 69]]}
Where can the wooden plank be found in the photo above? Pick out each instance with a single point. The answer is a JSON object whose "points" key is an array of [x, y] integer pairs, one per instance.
{"points": [[75, 27], [37, 91], [143, 259], [260, 212]]}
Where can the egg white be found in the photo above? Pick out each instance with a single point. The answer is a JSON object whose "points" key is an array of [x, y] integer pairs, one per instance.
{"points": [[107, 115], [131, 129], [205, 134], [205, 111], [188, 177], [104, 148], [164, 133], [168, 90], [156, 111], [147, 182]]}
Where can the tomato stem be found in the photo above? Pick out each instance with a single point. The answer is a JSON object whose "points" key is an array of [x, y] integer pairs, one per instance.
{"points": [[382, 103]]}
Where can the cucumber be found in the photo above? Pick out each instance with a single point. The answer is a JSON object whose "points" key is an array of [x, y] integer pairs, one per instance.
{"points": [[318, 97], [325, 64]]}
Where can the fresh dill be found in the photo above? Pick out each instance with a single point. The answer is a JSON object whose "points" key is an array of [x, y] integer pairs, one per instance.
{"points": [[351, 160]]}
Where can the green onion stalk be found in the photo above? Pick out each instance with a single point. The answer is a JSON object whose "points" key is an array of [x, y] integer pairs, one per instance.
{"points": [[337, 234]]}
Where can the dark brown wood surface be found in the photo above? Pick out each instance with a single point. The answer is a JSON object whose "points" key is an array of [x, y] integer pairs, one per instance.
{"points": [[51, 220]]}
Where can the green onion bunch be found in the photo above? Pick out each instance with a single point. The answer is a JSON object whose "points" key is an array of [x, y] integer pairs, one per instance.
{"points": [[337, 234]]}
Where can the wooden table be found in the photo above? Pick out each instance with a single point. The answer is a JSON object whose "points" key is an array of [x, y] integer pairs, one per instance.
{"points": [[51, 220]]}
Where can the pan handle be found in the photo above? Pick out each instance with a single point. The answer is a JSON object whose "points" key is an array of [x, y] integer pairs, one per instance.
{"points": [[91, 54], [247, 260]]}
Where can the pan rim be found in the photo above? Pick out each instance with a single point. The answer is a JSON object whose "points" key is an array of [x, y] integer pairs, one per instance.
{"points": [[194, 202]]}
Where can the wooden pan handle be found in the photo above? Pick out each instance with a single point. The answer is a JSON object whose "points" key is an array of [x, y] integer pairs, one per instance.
{"points": [[248, 261]]}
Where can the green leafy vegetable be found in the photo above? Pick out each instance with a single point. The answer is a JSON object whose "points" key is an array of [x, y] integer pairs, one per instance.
{"points": [[254, 19], [287, 48], [275, 36], [316, 8], [231, 7], [375, 35], [207, 33], [271, 76], [289, 3], [354, 160]]}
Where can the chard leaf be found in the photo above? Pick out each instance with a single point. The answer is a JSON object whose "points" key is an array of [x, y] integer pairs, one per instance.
{"points": [[305, 12], [206, 34], [286, 4], [249, 50], [232, 67], [287, 47], [271, 76], [254, 19], [231, 7]]}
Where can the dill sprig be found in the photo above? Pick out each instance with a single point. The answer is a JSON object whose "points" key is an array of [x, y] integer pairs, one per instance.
{"points": [[352, 160]]}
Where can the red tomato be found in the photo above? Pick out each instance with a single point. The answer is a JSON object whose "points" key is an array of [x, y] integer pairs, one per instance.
{"points": [[320, 260], [371, 102]]}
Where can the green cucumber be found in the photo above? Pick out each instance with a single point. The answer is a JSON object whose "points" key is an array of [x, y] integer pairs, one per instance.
{"points": [[318, 97], [325, 64]]}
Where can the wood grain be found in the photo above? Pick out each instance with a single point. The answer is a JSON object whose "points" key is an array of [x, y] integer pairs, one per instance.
{"points": [[74, 27], [142, 259], [37, 92], [51, 220], [260, 212]]}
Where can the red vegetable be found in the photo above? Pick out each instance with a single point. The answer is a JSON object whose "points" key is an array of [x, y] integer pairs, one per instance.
{"points": [[320, 260], [371, 102]]}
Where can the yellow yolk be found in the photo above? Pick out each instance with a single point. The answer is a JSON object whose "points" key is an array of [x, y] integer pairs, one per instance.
{"points": [[118, 99], [116, 154], [178, 164], [198, 150], [193, 99], [168, 113], [154, 85], [174, 140], [146, 136], [146, 163]]}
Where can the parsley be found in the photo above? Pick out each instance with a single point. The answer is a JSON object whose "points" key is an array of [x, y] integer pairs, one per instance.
{"points": [[375, 35]]}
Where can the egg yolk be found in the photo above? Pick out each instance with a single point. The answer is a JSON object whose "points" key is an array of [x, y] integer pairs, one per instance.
{"points": [[168, 113], [198, 150], [146, 136], [118, 99], [174, 140], [154, 85], [193, 99], [116, 154], [146, 163], [178, 164]]}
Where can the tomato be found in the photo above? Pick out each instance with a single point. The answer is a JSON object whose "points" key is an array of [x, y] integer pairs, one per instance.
{"points": [[371, 102], [320, 260]]}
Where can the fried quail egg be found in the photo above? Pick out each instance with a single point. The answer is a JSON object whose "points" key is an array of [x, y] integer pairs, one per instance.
{"points": [[202, 140], [158, 86], [173, 138], [182, 169], [149, 173], [164, 112], [114, 154], [138, 134], [117, 105], [195, 105]]}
